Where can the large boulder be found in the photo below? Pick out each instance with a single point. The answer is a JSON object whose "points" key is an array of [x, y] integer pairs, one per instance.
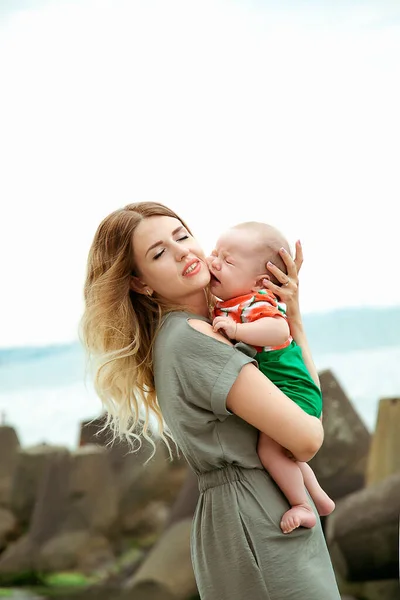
{"points": [[51, 496], [16, 559], [363, 532], [76, 504], [166, 572], [81, 550], [186, 501], [92, 502], [9, 447], [340, 464], [384, 456], [8, 527], [142, 476], [30, 466]]}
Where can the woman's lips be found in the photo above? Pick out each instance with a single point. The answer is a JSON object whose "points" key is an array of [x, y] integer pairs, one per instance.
{"points": [[192, 269]]}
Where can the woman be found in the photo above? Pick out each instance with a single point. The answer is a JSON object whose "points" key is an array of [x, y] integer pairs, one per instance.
{"points": [[147, 325]]}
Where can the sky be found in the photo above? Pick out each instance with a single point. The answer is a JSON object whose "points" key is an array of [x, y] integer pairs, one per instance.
{"points": [[285, 112]]}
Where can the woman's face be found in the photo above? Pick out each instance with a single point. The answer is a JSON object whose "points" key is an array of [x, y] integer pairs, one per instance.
{"points": [[169, 260]]}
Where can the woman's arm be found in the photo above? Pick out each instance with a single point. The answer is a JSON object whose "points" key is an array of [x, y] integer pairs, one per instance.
{"points": [[299, 335], [288, 292], [255, 399]]}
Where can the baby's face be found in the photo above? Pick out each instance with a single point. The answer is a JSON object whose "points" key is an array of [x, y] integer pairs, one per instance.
{"points": [[234, 266]]}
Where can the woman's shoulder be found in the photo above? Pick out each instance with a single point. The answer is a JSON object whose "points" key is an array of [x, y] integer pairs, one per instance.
{"points": [[179, 327], [186, 331]]}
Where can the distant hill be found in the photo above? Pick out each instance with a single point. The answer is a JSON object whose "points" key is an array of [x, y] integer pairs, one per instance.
{"points": [[335, 331]]}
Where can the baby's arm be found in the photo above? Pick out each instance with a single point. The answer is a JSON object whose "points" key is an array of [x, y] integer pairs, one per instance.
{"points": [[267, 331]]}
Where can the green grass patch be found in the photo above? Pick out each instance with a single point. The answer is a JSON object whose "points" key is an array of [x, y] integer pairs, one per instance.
{"points": [[5, 593], [67, 580]]}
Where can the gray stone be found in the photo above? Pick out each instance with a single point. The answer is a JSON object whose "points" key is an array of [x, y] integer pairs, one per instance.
{"points": [[384, 456], [79, 550], [140, 477], [340, 464], [8, 527], [186, 501], [167, 568], [30, 467], [92, 500], [9, 446], [363, 532]]}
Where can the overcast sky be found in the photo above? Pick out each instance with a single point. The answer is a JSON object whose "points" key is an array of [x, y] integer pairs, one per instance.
{"points": [[286, 112]]}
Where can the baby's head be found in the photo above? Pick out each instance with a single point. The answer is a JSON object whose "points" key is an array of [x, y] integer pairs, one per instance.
{"points": [[238, 263]]}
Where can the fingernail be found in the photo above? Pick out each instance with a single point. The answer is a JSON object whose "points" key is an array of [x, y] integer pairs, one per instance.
{"points": [[283, 250], [270, 263]]}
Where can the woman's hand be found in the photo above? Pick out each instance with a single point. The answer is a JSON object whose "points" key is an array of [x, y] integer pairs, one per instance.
{"points": [[288, 292]]}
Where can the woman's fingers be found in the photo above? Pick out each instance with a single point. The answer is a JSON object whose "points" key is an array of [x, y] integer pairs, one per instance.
{"points": [[280, 275], [298, 258], [271, 286], [291, 265]]}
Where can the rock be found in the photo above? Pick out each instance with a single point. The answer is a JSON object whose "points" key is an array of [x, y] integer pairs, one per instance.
{"points": [[387, 589], [79, 550], [140, 477], [31, 463], [384, 456], [381, 590], [167, 569], [108, 591], [9, 446], [148, 590], [75, 495], [51, 498], [340, 464], [363, 532], [148, 520], [186, 501], [23, 595], [8, 527], [92, 501], [16, 559]]}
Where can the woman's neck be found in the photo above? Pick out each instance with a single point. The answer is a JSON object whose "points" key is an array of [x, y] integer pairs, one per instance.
{"points": [[198, 305]]}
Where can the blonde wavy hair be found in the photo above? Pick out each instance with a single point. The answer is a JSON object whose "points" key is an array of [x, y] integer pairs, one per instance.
{"points": [[119, 326]]}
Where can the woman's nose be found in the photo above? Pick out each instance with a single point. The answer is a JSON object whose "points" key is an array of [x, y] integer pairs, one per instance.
{"points": [[181, 251]]}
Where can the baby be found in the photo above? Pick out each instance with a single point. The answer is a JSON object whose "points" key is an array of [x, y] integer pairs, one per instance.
{"points": [[249, 313]]}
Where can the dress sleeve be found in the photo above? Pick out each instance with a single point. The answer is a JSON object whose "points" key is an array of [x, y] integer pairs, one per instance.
{"points": [[198, 369]]}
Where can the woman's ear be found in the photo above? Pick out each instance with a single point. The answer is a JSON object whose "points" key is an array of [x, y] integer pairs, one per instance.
{"points": [[139, 287]]}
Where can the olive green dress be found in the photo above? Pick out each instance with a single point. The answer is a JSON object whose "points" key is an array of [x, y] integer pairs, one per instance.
{"points": [[238, 549]]}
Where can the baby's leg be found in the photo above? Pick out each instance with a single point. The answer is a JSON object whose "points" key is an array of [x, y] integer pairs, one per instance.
{"points": [[286, 473], [323, 503]]}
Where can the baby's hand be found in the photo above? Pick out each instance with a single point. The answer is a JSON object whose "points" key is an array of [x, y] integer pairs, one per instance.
{"points": [[227, 324]]}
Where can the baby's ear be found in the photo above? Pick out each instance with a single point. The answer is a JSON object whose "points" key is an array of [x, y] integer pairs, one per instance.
{"points": [[259, 282]]}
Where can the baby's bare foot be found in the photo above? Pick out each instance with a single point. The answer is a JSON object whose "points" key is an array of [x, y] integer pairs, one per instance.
{"points": [[300, 515], [324, 504]]}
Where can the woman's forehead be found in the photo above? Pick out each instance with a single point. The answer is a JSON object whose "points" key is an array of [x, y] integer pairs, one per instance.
{"points": [[153, 230], [155, 226]]}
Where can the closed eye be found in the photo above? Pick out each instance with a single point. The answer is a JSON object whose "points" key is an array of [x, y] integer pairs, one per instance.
{"points": [[158, 254], [161, 252]]}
